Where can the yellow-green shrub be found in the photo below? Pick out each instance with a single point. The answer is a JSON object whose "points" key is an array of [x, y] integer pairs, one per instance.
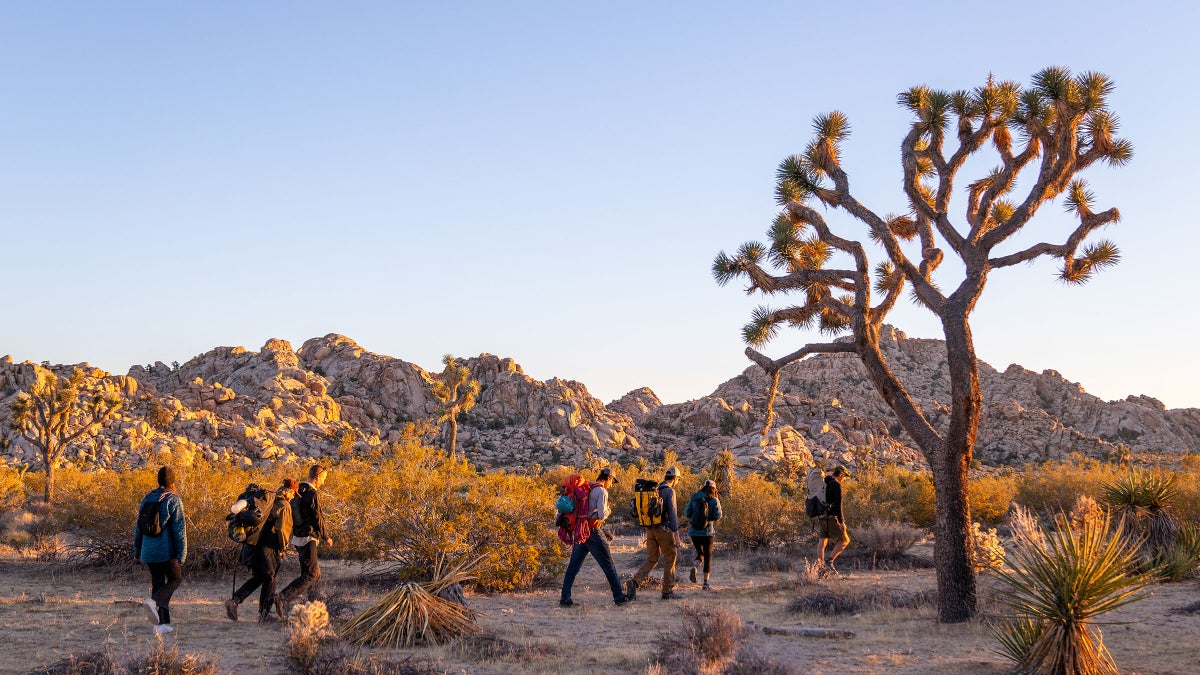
{"points": [[1054, 487], [757, 514], [889, 493], [990, 498]]}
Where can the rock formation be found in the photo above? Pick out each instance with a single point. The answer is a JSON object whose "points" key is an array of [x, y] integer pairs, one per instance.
{"points": [[331, 396]]}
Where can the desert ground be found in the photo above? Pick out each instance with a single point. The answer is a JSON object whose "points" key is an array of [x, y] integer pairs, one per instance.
{"points": [[47, 613]]}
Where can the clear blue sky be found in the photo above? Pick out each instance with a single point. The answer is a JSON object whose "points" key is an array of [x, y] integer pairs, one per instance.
{"points": [[546, 181]]}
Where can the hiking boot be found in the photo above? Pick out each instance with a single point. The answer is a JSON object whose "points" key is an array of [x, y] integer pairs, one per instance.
{"points": [[163, 628], [267, 618], [631, 589], [706, 587], [231, 606], [623, 601], [151, 610], [692, 575], [567, 603], [672, 595]]}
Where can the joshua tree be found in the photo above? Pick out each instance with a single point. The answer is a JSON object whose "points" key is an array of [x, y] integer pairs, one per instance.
{"points": [[57, 412], [456, 391], [1062, 122]]}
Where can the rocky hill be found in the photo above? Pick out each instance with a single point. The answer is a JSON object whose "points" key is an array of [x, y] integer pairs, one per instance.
{"points": [[281, 404]]}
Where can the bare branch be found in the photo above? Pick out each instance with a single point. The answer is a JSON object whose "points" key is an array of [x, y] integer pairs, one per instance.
{"points": [[1064, 250], [774, 365]]}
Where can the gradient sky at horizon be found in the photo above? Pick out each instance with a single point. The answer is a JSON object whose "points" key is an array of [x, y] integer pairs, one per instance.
{"points": [[544, 181]]}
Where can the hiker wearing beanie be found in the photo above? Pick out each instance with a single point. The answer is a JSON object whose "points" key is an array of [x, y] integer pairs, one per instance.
{"points": [[264, 556], [702, 509], [662, 540], [596, 543], [160, 541], [308, 529]]}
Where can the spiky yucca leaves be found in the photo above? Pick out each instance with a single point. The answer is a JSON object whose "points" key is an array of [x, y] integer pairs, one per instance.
{"points": [[1056, 592], [1181, 560], [1143, 499]]}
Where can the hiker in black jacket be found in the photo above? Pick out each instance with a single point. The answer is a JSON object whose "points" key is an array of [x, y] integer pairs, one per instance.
{"points": [[832, 526], [265, 554], [308, 529]]}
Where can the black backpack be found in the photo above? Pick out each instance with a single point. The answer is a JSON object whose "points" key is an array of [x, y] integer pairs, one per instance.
{"points": [[149, 520], [245, 525], [699, 513]]}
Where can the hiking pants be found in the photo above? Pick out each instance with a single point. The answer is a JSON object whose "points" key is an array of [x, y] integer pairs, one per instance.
{"points": [[703, 551], [659, 540], [265, 565], [310, 573], [597, 545], [165, 577]]}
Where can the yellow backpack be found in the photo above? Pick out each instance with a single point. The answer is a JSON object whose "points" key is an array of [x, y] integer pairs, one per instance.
{"points": [[647, 503]]}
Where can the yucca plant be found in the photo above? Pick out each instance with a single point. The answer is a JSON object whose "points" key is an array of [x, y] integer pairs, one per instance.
{"points": [[1142, 498], [1179, 561], [1057, 591]]}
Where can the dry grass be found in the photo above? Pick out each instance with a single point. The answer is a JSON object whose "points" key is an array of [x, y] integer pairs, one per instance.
{"points": [[160, 661], [489, 647], [707, 639], [769, 562], [824, 601]]}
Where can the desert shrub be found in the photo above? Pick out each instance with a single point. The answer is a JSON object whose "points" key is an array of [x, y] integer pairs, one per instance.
{"points": [[421, 506], [1055, 592], [1026, 531], [769, 562], [163, 661], [757, 514], [1085, 509], [890, 493], [12, 488], [987, 553], [487, 648], [706, 640], [990, 497], [1054, 487], [88, 663], [888, 539]]}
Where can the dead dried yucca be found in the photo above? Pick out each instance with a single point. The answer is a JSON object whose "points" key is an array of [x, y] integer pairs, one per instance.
{"points": [[414, 614]]}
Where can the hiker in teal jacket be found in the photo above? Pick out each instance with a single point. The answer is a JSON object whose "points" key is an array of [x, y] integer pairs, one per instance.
{"points": [[165, 554], [700, 526]]}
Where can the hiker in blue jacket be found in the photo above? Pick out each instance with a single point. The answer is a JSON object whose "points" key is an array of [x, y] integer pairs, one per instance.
{"points": [[702, 509], [165, 553]]}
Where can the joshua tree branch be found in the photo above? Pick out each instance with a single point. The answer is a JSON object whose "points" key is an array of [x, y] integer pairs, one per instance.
{"points": [[1090, 223]]}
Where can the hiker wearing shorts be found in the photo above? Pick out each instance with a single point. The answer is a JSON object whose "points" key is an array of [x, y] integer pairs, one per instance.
{"points": [[596, 544], [662, 540], [700, 527], [308, 529], [832, 526], [265, 555], [163, 554]]}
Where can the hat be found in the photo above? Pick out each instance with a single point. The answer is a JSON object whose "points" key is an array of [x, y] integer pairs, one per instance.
{"points": [[672, 472], [840, 471], [290, 484], [709, 484], [607, 473], [166, 476]]}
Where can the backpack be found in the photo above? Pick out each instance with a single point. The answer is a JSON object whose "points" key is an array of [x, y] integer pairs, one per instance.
{"points": [[149, 519], [245, 525], [815, 505], [647, 503], [699, 508], [573, 525]]}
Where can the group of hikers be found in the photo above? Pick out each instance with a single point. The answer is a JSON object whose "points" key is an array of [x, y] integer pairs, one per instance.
{"points": [[267, 524], [588, 533]]}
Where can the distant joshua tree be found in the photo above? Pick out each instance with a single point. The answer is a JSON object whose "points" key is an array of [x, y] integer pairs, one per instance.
{"points": [[57, 412], [1061, 120], [457, 393]]}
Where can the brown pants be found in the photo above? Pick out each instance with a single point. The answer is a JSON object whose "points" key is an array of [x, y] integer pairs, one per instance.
{"points": [[659, 540]]}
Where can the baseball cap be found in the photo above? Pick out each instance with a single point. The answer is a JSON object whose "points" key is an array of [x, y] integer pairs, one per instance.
{"points": [[606, 473]]}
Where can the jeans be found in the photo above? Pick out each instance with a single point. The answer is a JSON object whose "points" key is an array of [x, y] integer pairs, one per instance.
{"points": [[310, 573], [659, 540], [266, 564], [165, 577], [597, 545]]}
